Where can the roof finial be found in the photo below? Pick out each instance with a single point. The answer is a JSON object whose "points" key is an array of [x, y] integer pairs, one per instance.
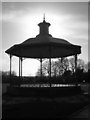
{"points": [[44, 17]]}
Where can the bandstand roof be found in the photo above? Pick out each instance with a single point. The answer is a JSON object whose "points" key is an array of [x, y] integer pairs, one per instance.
{"points": [[44, 46]]}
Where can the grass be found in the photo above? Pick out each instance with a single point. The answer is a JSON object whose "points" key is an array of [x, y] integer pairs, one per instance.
{"points": [[61, 106], [41, 107]]}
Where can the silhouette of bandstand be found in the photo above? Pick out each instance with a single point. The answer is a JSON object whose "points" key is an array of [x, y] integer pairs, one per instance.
{"points": [[41, 47]]}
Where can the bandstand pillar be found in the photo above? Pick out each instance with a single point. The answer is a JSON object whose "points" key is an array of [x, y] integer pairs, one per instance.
{"points": [[62, 63], [41, 67], [75, 62], [50, 67], [10, 64], [19, 67], [50, 70], [20, 70]]}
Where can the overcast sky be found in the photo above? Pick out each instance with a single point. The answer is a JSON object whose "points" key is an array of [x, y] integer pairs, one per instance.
{"points": [[20, 19]]}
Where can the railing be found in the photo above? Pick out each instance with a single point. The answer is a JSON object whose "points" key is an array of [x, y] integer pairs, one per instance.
{"points": [[14, 80]]}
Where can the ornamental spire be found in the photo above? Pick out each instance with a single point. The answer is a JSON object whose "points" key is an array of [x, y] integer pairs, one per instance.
{"points": [[44, 17]]}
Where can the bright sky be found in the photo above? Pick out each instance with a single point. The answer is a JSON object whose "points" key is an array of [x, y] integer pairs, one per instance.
{"points": [[19, 22]]}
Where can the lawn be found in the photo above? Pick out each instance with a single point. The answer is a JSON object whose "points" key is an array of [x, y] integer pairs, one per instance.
{"points": [[42, 107]]}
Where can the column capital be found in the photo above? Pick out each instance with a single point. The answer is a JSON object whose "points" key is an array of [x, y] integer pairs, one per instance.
{"points": [[21, 58], [10, 55]]}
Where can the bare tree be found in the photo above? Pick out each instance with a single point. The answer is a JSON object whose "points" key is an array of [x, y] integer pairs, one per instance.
{"points": [[80, 64], [65, 64], [72, 64], [39, 72], [45, 69], [7, 73], [89, 65], [57, 67]]}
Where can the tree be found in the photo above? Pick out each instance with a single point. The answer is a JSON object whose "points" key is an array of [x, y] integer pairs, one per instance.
{"points": [[62, 65], [7, 73], [39, 72], [65, 64], [79, 74], [58, 67], [89, 65], [55, 68], [87, 72], [72, 64], [80, 64], [45, 69]]}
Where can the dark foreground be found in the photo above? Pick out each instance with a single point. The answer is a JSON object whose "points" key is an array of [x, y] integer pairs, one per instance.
{"points": [[28, 107]]}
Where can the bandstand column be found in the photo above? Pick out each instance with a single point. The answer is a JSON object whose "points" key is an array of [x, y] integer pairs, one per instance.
{"points": [[50, 61], [41, 67], [50, 67], [50, 70], [10, 64], [62, 63], [75, 62], [19, 67]]}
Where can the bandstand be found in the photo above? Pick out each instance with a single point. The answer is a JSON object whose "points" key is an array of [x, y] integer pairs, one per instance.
{"points": [[44, 45]]}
